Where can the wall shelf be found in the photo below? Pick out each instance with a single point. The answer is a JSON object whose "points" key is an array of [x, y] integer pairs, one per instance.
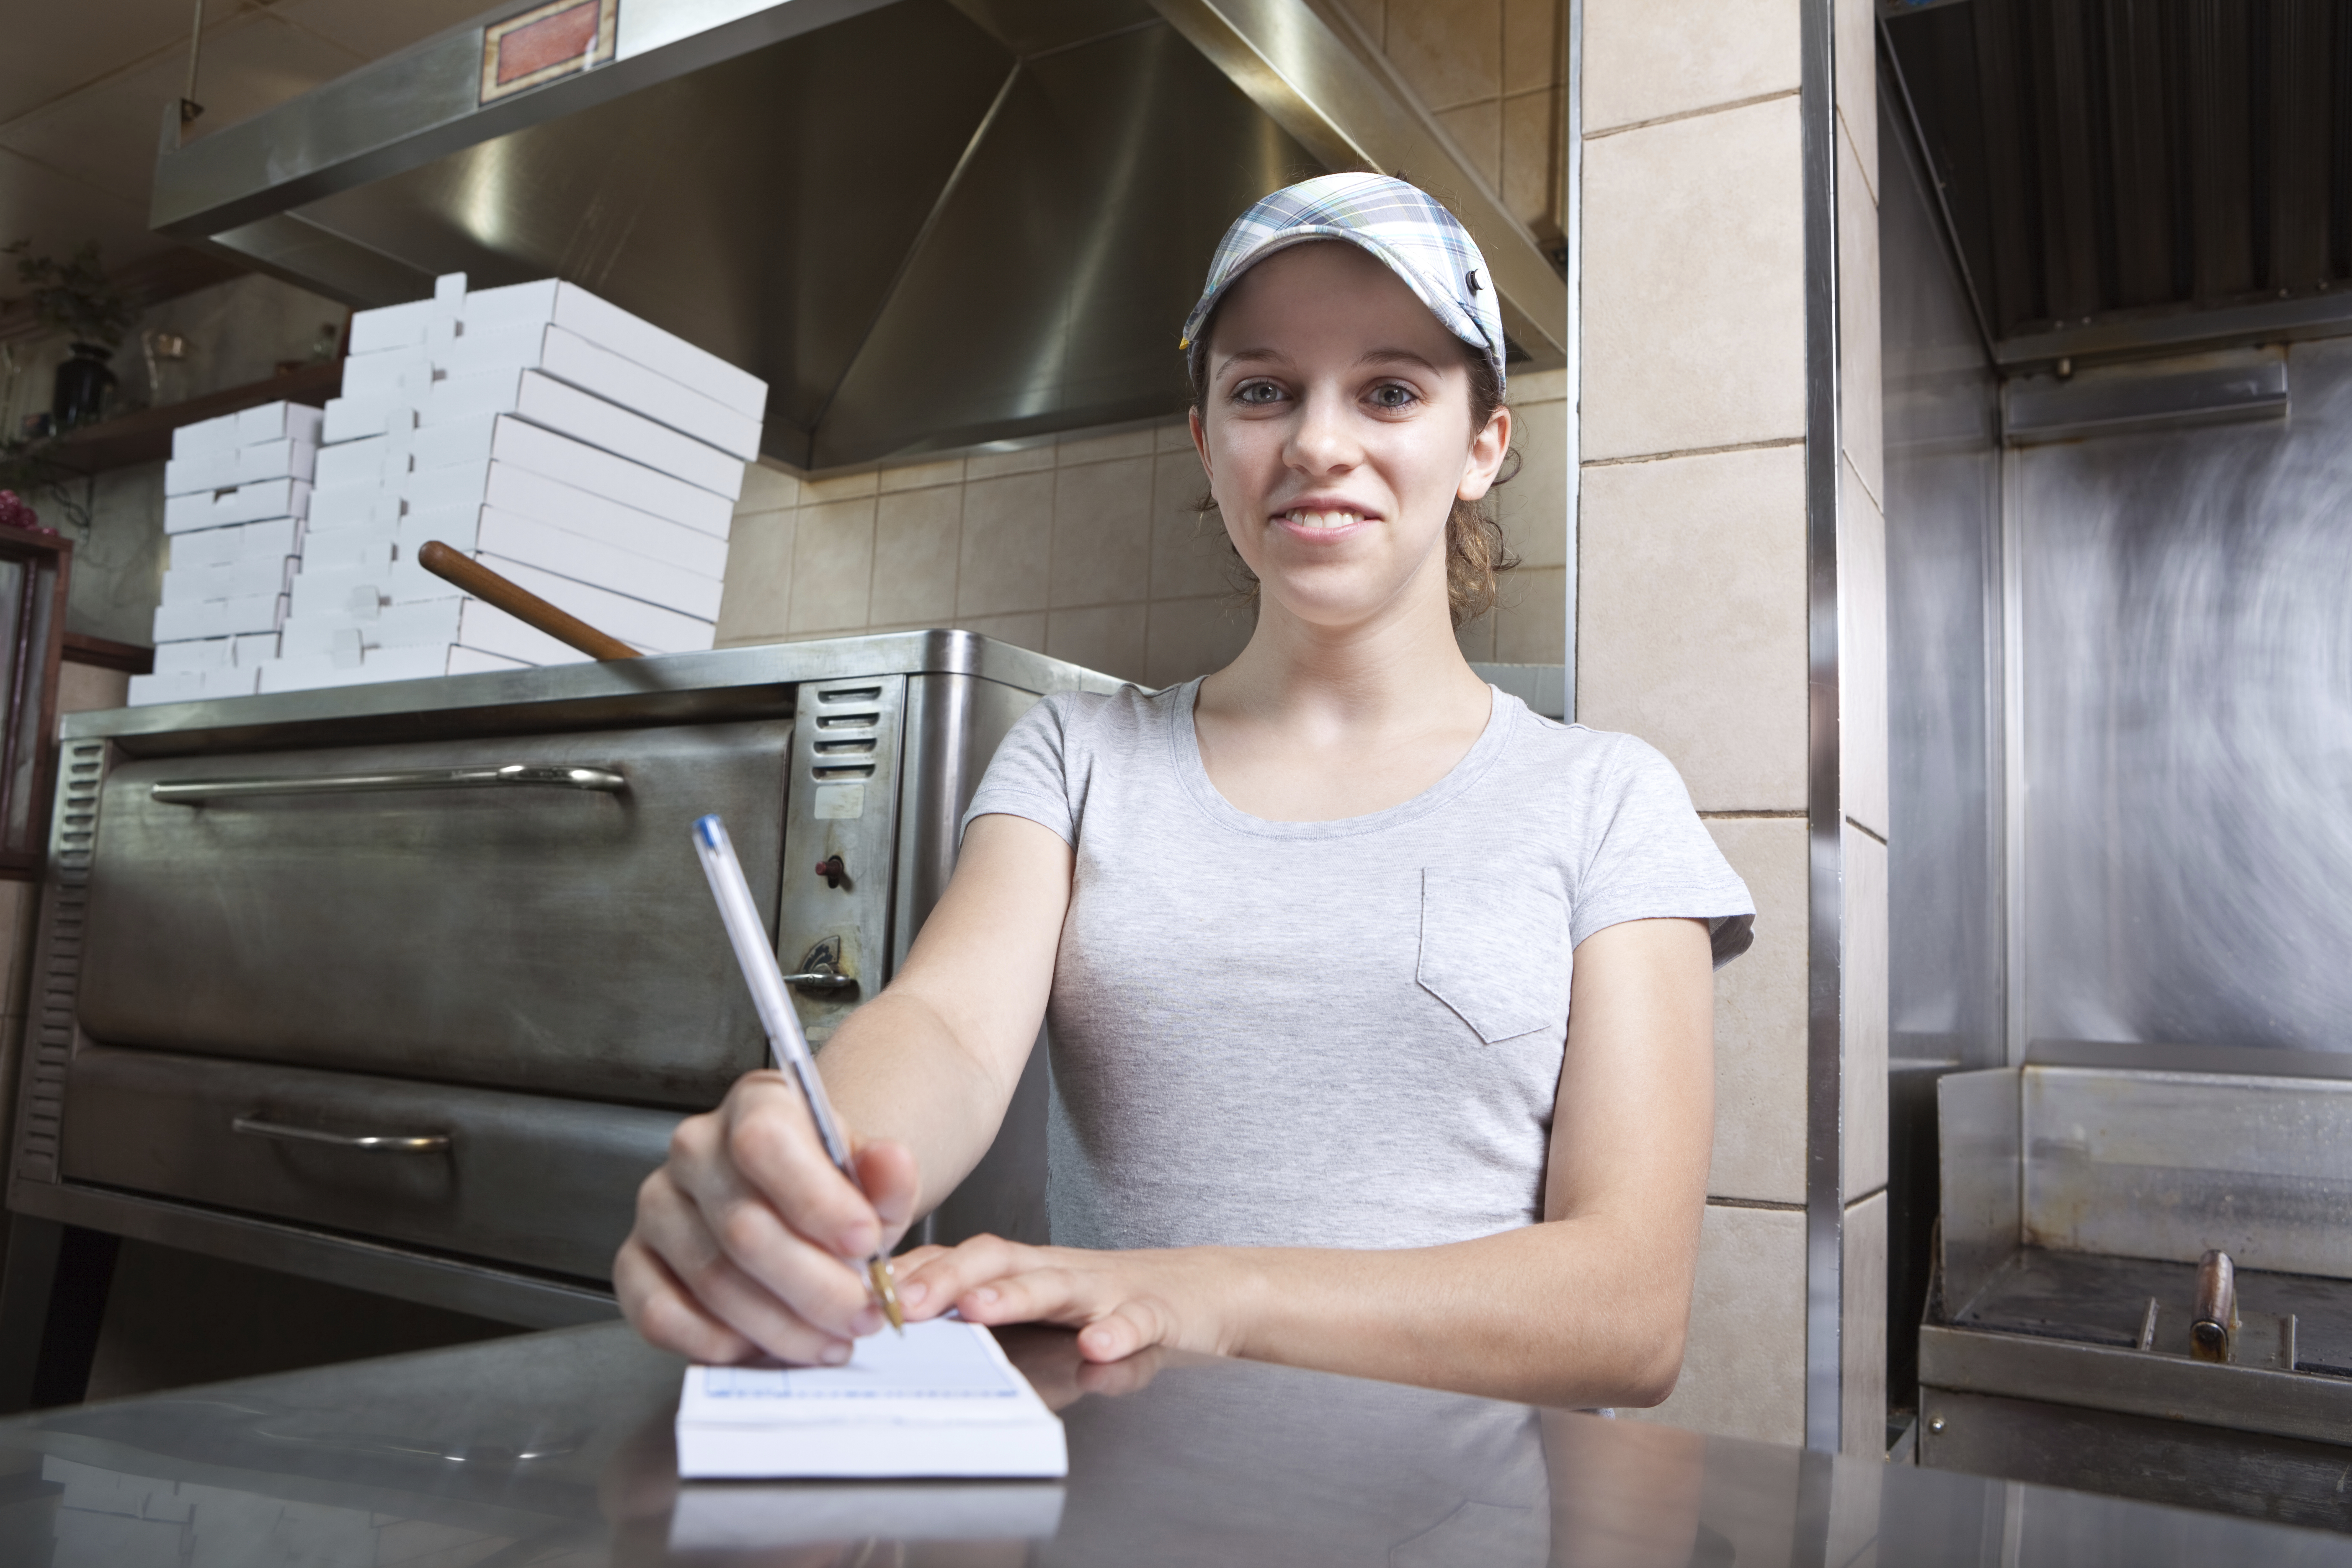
{"points": [[145, 436]]}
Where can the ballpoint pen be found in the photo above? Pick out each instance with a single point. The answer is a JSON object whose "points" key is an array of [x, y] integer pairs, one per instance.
{"points": [[786, 1043]]}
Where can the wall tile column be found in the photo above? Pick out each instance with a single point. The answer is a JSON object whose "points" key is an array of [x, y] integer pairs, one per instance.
{"points": [[1694, 625]]}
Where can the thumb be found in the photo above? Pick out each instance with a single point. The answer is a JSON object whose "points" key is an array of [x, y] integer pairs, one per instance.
{"points": [[891, 1178]]}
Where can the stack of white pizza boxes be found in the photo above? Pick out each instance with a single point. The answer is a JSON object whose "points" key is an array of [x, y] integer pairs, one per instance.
{"points": [[234, 494], [565, 444]]}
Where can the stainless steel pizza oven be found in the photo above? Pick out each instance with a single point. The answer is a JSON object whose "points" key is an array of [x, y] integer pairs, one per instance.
{"points": [[404, 986]]}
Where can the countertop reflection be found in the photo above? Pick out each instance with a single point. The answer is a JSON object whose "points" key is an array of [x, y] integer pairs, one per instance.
{"points": [[554, 1449]]}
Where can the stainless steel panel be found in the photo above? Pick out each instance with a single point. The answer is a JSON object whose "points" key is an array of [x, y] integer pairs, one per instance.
{"points": [[548, 939], [522, 1179], [2140, 1163], [973, 221], [673, 689], [2136, 1383], [845, 774], [2188, 710], [1978, 1129], [408, 1274], [1942, 578], [2177, 1463], [953, 726], [2160, 394]]}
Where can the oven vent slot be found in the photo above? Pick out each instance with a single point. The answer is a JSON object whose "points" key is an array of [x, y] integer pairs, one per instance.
{"points": [[865, 720], [824, 771], [53, 1019], [849, 694]]}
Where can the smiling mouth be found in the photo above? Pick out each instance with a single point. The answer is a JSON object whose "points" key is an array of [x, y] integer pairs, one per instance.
{"points": [[1321, 520]]}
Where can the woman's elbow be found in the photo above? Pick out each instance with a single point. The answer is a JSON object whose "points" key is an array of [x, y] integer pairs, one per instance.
{"points": [[1654, 1366]]}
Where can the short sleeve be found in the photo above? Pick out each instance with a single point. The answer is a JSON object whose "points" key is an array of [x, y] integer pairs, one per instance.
{"points": [[1030, 776], [1650, 857]]}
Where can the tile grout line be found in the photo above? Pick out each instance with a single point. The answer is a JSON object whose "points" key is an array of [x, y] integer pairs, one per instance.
{"points": [[1692, 114], [1773, 444]]}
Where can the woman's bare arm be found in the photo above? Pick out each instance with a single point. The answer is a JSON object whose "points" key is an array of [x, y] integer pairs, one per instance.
{"points": [[1588, 1308], [747, 1240]]}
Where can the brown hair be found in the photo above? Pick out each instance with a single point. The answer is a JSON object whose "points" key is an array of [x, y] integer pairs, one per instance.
{"points": [[1475, 551]]}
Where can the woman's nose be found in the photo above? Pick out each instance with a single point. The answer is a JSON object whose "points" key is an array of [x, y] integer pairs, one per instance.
{"points": [[1322, 442]]}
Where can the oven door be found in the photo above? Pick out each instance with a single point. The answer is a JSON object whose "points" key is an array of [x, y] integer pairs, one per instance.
{"points": [[516, 1179], [547, 931]]}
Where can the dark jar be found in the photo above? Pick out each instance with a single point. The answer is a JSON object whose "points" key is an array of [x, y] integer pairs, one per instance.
{"points": [[83, 383]]}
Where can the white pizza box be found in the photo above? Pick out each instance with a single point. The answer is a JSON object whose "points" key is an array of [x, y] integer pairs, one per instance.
{"points": [[594, 369], [569, 306], [395, 626], [189, 657], [218, 617], [254, 649], [239, 579], [389, 327], [649, 628], [247, 503], [204, 436], [357, 418], [386, 375], [276, 536], [370, 461], [536, 396], [601, 565], [233, 466], [277, 422], [309, 674], [484, 626], [335, 590], [191, 685], [521, 493], [371, 546], [504, 439], [353, 506]]}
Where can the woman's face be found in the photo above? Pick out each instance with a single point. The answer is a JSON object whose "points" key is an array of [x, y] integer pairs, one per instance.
{"points": [[1335, 433]]}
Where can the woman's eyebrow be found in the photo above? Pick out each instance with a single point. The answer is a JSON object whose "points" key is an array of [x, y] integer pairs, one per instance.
{"points": [[1396, 356]]}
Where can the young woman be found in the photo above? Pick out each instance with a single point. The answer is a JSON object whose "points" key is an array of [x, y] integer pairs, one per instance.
{"points": [[1381, 1009]]}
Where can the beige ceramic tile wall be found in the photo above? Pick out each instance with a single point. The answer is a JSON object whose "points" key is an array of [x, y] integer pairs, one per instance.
{"points": [[1692, 611], [1086, 548], [1489, 71]]}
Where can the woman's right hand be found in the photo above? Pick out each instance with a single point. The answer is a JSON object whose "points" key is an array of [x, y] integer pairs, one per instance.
{"points": [[751, 1242]]}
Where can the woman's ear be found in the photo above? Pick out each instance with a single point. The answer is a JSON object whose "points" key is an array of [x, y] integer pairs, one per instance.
{"points": [[1201, 442], [1487, 450]]}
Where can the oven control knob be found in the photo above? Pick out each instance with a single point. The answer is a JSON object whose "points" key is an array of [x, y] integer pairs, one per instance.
{"points": [[835, 873]]}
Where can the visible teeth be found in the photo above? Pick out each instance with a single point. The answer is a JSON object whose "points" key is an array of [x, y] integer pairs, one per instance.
{"points": [[1322, 518]]}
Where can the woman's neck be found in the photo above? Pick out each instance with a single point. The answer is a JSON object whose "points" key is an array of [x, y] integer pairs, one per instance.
{"points": [[1315, 724]]}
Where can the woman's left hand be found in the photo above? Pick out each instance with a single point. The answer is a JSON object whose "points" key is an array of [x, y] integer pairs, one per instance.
{"points": [[1120, 1302]]}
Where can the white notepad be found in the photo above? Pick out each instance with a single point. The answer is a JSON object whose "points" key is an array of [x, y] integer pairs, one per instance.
{"points": [[941, 1402]]}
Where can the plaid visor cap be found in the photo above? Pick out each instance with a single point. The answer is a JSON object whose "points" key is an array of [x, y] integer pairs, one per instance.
{"points": [[1401, 224]]}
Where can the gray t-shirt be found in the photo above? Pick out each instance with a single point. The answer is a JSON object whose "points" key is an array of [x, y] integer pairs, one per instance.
{"points": [[1330, 1034]]}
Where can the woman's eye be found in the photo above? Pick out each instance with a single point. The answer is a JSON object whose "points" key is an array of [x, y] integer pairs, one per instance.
{"points": [[1393, 395], [1257, 393]]}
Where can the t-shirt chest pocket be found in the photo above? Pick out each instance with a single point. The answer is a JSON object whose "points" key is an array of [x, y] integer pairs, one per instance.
{"points": [[1494, 948]]}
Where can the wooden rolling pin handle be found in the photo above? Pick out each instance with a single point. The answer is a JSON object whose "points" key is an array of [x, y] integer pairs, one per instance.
{"points": [[518, 601]]}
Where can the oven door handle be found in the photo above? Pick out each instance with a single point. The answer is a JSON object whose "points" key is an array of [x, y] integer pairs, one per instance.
{"points": [[374, 1142], [195, 791]]}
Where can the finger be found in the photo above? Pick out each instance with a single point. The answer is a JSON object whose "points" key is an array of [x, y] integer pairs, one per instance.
{"points": [[888, 1175], [768, 1142], [659, 1308], [828, 1291], [1050, 1295], [812, 1311], [1112, 1379], [1135, 1324], [942, 1280]]}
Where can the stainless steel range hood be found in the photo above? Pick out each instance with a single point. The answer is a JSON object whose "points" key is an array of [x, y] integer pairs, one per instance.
{"points": [[928, 224]]}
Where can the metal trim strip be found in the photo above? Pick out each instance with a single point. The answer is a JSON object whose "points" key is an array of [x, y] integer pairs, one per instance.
{"points": [[1824, 803], [1571, 220]]}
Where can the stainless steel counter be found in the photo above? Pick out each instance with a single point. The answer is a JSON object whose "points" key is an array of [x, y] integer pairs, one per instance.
{"points": [[554, 1449]]}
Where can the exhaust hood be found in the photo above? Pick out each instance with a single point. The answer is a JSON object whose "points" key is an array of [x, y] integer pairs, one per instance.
{"points": [[928, 224]]}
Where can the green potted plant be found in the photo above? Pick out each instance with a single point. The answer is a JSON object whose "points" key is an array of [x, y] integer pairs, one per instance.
{"points": [[76, 296]]}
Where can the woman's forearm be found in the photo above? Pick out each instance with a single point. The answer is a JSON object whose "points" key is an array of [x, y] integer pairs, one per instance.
{"points": [[896, 1070], [1566, 1313]]}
